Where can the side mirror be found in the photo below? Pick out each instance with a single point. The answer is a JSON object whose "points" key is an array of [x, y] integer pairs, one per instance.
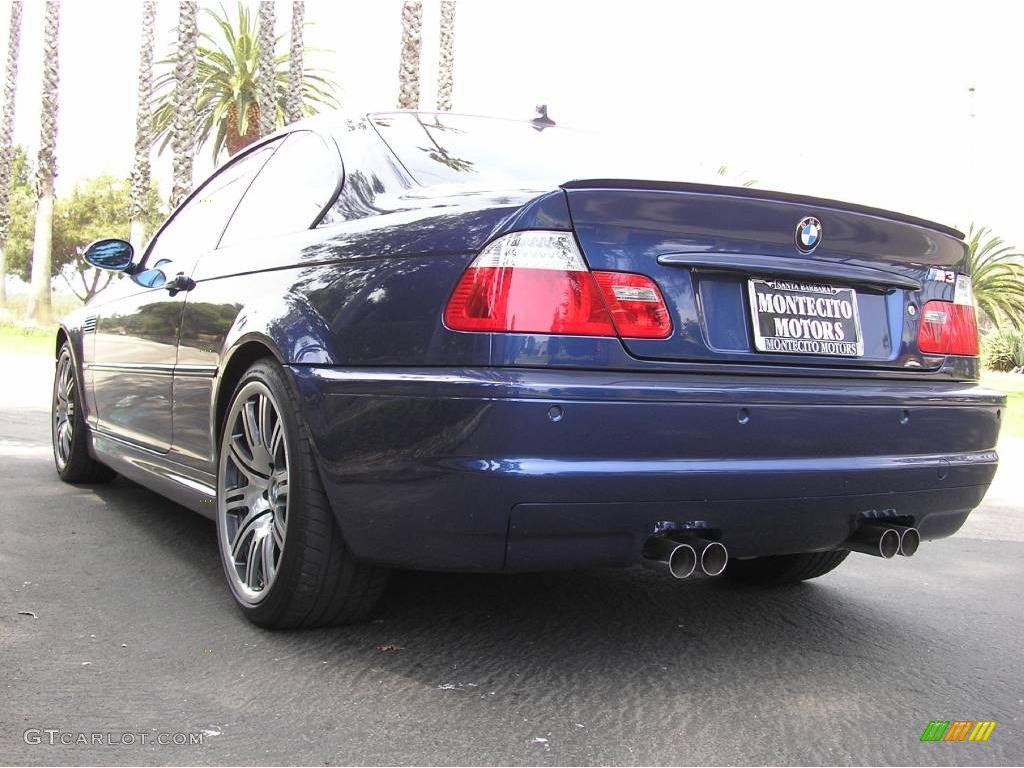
{"points": [[115, 255], [151, 278], [164, 276]]}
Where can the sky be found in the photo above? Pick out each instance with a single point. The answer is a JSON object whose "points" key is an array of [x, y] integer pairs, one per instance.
{"points": [[865, 101]]}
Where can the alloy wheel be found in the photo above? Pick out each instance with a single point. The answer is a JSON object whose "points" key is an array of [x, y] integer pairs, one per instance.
{"points": [[252, 492], [63, 411]]}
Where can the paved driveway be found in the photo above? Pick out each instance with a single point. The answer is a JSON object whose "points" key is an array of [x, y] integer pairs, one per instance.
{"points": [[136, 634]]}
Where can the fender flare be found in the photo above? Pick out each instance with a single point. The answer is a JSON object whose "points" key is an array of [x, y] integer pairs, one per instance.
{"points": [[285, 326]]}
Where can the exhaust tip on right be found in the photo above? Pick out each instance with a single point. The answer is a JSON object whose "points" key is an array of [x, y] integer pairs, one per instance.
{"points": [[910, 540], [714, 558]]}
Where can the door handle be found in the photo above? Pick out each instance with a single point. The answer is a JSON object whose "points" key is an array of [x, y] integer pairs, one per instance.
{"points": [[180, 282]]}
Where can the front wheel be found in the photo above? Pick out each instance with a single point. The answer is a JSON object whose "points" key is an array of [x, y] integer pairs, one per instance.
{"points": [[283, 555], [778, 570], [68, 430]]}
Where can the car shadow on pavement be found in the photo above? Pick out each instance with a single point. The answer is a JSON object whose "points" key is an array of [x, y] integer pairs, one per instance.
{"points": [[619, 666], [480, 666], [473, 632]]}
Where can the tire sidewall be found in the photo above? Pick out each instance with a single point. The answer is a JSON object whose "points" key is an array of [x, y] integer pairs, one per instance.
{"points": [[79, 451], [275, 602]]}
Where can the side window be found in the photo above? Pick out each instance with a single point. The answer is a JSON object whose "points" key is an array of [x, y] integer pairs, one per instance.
{"points": [[195, 228], [289, 193]]}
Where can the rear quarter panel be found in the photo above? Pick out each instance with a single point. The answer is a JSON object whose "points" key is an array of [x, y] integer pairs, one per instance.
{"points": [[368, 291]]}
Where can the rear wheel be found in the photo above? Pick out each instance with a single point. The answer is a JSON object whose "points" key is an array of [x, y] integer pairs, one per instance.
{"points": [[784, 569], [283, 555], [68, 430]]}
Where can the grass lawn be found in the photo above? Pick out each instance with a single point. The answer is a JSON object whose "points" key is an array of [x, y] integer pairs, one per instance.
{"points": [[35, 341], [18, 337], [1013, 385]]}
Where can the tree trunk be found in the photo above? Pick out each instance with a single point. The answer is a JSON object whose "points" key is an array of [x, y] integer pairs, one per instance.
{"points": [[39, 307], [143, 129], [137, 234], [446, 60], [409, 63], [90, 287], [235, 141], [7, 140], [183, 137], [297, 49], [265, 85], [42, 247]]}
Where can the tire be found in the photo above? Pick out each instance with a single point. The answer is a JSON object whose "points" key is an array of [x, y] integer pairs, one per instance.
{"points": [[779, 570], [283, 556], [69, 434]]}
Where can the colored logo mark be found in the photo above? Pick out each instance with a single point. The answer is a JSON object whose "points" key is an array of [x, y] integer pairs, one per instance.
{"points": [[808, 233], [958, 730]]}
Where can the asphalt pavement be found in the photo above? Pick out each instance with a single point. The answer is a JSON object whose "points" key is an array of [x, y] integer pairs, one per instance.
{"points": [[115, 621]]}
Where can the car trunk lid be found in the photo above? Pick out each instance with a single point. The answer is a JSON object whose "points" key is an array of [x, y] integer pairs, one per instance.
{"points": [[742, 289]]}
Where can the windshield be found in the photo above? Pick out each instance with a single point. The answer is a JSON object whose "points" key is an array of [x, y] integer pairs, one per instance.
{"points": [[446, 148]]}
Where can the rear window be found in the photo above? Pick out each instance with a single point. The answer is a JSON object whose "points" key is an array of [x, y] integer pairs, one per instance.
{"points": [[443, 148], [464, 149]]}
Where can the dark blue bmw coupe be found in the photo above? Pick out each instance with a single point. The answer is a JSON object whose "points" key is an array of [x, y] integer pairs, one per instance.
{"points": [[435, 341]]}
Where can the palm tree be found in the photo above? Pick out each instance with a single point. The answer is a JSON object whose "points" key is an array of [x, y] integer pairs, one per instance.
{"points": [[7, 140], [143, 128], [997, 273], [183, 101], [293, 102], [736, 179], [227, 107], [265, 43], [42, 244], [409, 64], [446, 61]]}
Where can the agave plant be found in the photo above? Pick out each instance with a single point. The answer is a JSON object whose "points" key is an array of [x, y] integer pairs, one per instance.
{"points": [[997, 271], [227, 104]]}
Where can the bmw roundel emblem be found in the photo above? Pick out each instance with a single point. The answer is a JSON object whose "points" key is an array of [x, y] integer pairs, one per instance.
{"points": [[808, 234]]}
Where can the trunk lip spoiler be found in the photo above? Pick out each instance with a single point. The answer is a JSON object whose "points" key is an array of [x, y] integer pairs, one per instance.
{"points": [[760, 194], [805, 268]]}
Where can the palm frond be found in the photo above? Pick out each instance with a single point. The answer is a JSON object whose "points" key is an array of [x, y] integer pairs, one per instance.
{"points": [[226, 75], [997, 273]]}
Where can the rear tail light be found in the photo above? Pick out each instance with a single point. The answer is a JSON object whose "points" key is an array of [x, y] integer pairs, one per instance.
{"points": [[637, 307], [950, 327], [537, 282]]}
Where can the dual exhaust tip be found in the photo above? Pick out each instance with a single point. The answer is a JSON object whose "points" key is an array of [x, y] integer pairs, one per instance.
{"points": [[884, 540], [692, 556]]}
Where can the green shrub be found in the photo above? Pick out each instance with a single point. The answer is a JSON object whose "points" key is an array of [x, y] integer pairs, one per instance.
{"points": [[1002, 350]]}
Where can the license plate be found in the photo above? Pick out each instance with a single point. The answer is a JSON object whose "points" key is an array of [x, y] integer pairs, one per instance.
{"points": [[794, 317]]}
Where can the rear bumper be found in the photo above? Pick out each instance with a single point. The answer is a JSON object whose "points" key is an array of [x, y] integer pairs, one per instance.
{"points": [[523, 469]]}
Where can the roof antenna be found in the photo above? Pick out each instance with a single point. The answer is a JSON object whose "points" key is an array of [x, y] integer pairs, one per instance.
{"points": [[542, 121]]}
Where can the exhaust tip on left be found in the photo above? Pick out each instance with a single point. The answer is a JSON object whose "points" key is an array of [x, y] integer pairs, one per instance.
{"points": [[680, 560], [878, 540]]}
